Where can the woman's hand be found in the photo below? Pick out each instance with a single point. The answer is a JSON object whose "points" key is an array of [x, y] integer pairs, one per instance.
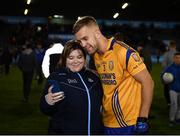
{"points": [[52, 98]]}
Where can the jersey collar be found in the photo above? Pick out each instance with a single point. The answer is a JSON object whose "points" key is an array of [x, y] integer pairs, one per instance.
{"points": [[110, 43]]}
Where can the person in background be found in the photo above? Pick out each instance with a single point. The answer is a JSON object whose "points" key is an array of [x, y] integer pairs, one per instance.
{"points": [[127, 84], [39, 51], [167, 61], [6, 59], [51, 58], [27, 64], [145, 54], [73, 95], [174, 89]]}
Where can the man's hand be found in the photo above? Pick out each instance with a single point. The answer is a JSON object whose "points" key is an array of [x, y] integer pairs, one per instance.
{"points": [[142, 126]]}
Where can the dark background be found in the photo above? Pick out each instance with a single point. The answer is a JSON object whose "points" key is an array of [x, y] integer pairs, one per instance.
{"points": [[158, 10]]}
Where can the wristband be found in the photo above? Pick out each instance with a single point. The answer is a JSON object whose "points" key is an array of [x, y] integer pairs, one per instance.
{"points": [[142, 126]]}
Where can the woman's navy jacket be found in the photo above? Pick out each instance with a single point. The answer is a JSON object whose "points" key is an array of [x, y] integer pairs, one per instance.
{"points": [[80, 111]]}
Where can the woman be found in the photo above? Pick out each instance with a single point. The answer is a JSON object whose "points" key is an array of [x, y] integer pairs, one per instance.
{"points": [[74, 100]]}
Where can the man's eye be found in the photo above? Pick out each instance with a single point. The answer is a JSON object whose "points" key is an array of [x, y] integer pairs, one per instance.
{"points": [[85, 39]]}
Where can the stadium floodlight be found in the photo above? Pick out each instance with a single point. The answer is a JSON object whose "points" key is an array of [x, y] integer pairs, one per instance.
{"points": [[58, 16], [124, 5], [25, 11], [116, 15], [28, 2]]}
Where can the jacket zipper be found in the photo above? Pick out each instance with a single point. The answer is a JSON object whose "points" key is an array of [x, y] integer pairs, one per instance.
{"points": [[89, 104]]}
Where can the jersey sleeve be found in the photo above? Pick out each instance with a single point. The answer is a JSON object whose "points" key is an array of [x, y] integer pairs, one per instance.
{"points": [[134, 63]]}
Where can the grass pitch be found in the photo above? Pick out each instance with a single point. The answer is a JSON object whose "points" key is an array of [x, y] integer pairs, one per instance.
{"points": [[25, 118]]}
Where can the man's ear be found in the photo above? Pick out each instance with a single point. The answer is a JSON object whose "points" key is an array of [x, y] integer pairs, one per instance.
{"points": [[97, 33]]}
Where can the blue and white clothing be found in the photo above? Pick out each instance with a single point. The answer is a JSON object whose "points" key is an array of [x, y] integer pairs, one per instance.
{"points": [[174, 92], [175, 71]]}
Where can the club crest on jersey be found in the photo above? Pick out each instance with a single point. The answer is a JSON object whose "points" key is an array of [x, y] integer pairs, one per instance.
{"points": [[135, 57], [111, 65]]}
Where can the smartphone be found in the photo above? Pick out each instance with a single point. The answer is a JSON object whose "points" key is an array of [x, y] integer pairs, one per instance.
{"points": [[55, 84]]}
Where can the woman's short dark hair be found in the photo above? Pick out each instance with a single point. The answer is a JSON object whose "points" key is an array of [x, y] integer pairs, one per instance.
{"points": [[68, 48]]}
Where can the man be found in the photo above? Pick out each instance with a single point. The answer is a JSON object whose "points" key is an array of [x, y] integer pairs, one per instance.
{"points": [[27, 64], [127, 85], [51, 58], [40, 52], [145, 54]]}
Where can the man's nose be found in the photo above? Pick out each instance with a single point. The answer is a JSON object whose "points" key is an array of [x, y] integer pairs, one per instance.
{"points": [[83, 44]]}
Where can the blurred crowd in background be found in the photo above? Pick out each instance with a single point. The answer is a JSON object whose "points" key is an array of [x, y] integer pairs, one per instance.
{"points": [[151, 40]]}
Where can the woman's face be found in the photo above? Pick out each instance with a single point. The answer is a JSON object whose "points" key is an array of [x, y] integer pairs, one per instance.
{"points": [[75, 61]]}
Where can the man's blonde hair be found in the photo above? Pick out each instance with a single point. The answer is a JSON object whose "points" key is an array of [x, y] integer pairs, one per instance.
{"points": [[84, 21]]}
